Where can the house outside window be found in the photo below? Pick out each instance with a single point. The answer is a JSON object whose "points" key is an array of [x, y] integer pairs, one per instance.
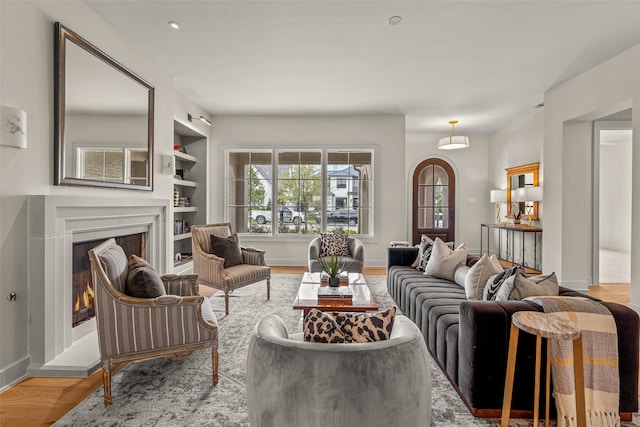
{"points": [[289, 183]]}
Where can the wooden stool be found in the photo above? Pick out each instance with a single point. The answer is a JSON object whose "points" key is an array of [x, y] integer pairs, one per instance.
{"points": [[544, 325]]}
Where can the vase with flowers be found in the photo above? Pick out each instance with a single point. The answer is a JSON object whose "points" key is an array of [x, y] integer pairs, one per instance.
{"points": [[333, 266]]}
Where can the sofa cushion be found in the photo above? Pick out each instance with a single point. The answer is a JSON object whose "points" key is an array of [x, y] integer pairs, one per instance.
{"points": [[444, 261], [144, 282], [334, 244], [522, 287], [477, 277], [227, 248]]}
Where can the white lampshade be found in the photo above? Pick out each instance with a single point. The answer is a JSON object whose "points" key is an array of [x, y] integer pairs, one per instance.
{"points": [[453, 142], [527, 194], [497, 196]]}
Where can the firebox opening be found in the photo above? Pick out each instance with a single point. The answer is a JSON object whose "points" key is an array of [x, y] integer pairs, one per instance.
{"points": [[82, 286]]}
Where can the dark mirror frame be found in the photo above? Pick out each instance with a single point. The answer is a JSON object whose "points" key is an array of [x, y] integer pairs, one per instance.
{"points": [[61, 36]]}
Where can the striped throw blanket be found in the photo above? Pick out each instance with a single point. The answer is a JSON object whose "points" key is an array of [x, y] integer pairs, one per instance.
{"points": [[600, 354]]}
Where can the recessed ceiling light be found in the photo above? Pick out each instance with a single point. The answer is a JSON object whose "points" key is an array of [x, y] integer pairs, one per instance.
{"points": [[174, 24], [395, 20]]}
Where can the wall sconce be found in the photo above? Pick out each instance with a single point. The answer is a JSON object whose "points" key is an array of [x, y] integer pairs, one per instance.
{"points": [[13, 131], [498, 197], [527, 194], [203, 119]]}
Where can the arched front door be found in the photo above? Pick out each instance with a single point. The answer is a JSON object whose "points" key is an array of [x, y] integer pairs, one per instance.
{"points": [[434, 190]]}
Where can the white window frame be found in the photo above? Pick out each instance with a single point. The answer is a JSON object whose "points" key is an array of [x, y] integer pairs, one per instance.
{"points": [[274, 234]]}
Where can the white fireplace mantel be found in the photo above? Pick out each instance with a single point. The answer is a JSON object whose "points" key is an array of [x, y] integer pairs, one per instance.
{"points": [[55, 223]]}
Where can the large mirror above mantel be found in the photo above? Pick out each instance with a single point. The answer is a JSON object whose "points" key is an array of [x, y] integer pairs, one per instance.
{"points": [[103, 118], [518, 177]]}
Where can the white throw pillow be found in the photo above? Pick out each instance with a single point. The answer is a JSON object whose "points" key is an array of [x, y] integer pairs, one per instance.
{"points": [[444, 261], [478, 274]]}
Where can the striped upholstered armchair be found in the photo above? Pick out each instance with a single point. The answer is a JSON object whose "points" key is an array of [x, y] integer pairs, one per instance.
{"points": [[211, 269], [131, 328]]}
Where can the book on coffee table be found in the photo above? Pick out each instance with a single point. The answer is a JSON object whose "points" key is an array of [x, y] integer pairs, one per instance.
{"points": [[327, 292]]}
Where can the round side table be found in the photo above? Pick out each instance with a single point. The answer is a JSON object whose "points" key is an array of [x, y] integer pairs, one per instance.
{"points": [[549, 326]]}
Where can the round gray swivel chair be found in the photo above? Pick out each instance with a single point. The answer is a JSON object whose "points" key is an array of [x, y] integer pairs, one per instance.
{"points": [[295, 383]]}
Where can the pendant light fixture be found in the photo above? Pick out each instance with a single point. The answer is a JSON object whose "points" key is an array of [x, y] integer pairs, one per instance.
{"points": [[453, 142]]}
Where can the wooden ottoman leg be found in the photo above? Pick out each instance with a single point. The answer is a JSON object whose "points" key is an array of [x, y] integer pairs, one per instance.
{"points": [[578, 373], [536, 386], [511, 368]]}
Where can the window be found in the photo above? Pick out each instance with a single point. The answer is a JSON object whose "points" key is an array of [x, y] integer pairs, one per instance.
{"points": [[290, 183], [126, 165]]}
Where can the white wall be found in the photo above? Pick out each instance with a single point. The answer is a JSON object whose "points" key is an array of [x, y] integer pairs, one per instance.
{"points": [[384, 132], [569, 110], [472, 192], [615, 191], [26, 82]]}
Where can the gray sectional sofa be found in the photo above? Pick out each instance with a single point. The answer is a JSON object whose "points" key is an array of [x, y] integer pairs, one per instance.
{"points": [[469, 339]]}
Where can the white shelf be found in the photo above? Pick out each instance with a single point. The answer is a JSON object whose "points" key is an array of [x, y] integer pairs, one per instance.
{"points": [[182, 236], [185, 209], [185, 157], [184, 183]]}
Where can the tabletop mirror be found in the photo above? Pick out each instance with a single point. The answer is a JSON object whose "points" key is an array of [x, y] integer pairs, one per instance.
{"points": [[519, 177], [103, 118]]}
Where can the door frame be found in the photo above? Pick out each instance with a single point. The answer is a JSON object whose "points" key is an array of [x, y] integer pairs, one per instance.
{"points": [[445, 164]]}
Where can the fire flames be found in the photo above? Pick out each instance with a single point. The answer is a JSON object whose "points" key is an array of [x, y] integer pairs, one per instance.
{"points": [[85, 300]]}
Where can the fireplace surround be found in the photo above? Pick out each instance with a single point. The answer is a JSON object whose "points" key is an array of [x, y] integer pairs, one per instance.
{"points": [[55, 224]]}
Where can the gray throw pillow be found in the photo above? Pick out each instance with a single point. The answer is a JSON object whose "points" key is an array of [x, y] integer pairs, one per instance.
{"points": [[476, 279], [496, 281], [523, 287], [227, 248], [144, 282], [444, 261]]}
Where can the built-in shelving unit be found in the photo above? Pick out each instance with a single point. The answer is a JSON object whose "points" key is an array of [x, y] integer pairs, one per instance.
{"points": [[190, 190]]}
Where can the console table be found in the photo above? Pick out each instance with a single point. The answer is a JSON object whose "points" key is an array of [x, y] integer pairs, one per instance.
{"points": [[511, 230]]}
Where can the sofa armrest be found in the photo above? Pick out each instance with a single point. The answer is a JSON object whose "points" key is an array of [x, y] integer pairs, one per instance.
{"points": [[401, 256], [483, 344], [628, 326]]}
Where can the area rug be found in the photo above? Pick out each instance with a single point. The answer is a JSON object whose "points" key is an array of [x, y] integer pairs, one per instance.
{"points": [[162, 392]]}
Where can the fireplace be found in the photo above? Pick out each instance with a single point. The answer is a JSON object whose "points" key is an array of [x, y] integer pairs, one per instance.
{"points": [[57, 224], [82, 290]]}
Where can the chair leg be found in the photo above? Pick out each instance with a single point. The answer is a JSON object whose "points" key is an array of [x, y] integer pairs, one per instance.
{"points": [[214, 366], [106, 381], [268, 288], [226, 303]]}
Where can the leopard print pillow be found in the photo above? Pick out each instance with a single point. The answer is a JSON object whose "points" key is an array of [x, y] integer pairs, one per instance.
{"points": [[348, 327], [321, 327], [333, 244], [363, 327]]}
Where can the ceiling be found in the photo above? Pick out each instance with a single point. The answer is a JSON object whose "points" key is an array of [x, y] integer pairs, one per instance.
{"points": [[483, 63]]}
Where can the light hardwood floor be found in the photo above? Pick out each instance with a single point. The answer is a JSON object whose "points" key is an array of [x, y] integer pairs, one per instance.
{"points": [[43, 401]]}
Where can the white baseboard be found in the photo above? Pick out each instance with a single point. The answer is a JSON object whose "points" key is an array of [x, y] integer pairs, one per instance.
{"points": [[14, 373], [576, 285]]}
